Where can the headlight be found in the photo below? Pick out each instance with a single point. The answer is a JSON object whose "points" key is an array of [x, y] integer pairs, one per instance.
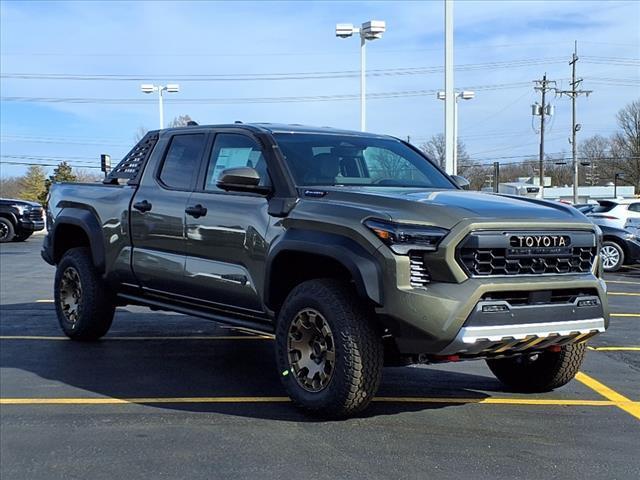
{"points": [[402, 238]]}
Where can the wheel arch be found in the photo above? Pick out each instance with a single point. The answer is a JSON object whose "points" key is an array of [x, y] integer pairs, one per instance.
{"points": [[320, 254], [75, 227]]}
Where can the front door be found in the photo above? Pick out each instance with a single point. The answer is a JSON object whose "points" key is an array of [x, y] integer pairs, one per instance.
{"points": [[226, 231], [158, 215]]}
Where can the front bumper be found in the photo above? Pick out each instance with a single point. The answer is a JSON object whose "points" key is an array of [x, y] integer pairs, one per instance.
{"points": [[28, 225], [447, 318]]}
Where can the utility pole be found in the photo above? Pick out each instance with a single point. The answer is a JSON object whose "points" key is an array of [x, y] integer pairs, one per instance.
{"points": [[542, 86], [496, 176], [574, 93], [449, 100]]}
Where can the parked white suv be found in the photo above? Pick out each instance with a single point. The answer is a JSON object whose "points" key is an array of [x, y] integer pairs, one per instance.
{"points": [[615, 213]]}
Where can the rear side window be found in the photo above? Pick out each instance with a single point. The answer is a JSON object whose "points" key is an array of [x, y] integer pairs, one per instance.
{"points": [[634, 207], [231, 151], [182, 161], [604, 206]]}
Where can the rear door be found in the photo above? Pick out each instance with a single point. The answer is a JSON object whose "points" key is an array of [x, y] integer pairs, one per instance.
{"points": [[158, 214], [226, 242]]}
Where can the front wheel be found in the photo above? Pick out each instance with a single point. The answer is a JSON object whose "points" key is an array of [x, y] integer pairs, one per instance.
{"points": [[329, 353], [539, 372], [7, 231], [612, 256], [84, 304], [22, 236]]}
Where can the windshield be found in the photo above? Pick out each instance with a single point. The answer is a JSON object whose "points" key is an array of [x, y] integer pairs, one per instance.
{"points": [[321, 159]]}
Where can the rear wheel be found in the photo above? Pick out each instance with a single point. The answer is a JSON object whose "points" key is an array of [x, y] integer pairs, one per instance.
{"points": [[612, 256], [7, 231], [539, 372], [84, 304], [328, 352]]}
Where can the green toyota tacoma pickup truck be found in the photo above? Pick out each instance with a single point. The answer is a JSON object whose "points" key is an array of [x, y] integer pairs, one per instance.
{"points": [[354, 249]]}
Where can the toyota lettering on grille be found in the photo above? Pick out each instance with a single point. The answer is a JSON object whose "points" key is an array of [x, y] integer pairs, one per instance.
{"points": [[540, 241]]}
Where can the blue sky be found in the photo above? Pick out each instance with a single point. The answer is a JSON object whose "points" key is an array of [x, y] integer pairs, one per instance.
{"points": [[165, 40]]}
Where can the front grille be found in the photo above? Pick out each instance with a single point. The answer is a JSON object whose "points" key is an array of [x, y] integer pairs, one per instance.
{"points": [[419, 274], [493, 253], [481, 262], [35, 214]]}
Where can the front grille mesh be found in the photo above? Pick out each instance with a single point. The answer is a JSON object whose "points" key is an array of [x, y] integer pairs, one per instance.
{"points": [[419, 274], [482, 262], [35, 214]]}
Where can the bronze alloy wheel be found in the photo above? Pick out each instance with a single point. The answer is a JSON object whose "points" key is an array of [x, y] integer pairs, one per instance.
{"points": [[70, 292], [311, 350]]}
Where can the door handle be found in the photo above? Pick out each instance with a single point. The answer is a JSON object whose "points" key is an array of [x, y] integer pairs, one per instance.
{"points": [[142, 206], [196, 211]]}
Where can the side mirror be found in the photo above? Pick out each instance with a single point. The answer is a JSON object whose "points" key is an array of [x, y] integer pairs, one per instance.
{"points": [[241, 179], [462, 182]]}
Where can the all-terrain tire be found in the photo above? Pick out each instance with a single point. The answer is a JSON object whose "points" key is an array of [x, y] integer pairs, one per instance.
{"points": [[22, 236], [7, 232], [547, 371], [359, 357], [95, 307]]}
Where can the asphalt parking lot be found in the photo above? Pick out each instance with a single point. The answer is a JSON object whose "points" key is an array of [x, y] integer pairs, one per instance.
{"points": [[169, 396]]}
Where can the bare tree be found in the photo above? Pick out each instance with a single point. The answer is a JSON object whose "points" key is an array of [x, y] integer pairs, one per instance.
{"points": [[435, 149], [9, 187], [140, 133], [180, 121], [625, 145]]}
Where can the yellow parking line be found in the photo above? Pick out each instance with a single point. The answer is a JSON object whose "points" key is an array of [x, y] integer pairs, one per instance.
{"points": [[44, 301], [622, 282], [628, 294], [625, 314], [440, 400], [622, 402], [184, 337], [615, 349]]}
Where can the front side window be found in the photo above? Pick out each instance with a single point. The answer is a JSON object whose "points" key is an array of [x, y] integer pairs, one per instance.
{"points": [[634, 207], [321, 159], [231, 151], [181, 163]]}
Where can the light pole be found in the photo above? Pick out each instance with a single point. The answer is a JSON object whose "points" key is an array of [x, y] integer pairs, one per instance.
{"points": [[464, 95], [615, 183], [370, 30], [150, 88]]}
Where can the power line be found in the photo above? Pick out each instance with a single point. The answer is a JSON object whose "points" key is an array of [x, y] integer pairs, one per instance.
{"points": [[233, 101], [238, 77]]}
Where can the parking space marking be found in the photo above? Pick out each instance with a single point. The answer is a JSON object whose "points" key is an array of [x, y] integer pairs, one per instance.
{"points": [[183, 337], [622, 282], [622, 402], [628, 294], [614, 349], [625, 315], [44, 301], [437, 400]]}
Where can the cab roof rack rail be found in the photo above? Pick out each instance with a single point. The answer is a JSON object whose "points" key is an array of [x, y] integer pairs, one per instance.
{"points": [[131, 165]]}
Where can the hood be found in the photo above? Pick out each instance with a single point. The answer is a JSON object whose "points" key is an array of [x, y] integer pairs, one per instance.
{"points": [[14, 201], [447, 207]]}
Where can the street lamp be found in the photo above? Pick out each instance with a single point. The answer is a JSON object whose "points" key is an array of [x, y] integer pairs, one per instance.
{"points": [[150, 88], [615, 183], [464, 95], [370, 30]]}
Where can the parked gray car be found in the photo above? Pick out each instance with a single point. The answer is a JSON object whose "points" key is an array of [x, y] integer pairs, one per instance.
{"points": [[354, 249]]}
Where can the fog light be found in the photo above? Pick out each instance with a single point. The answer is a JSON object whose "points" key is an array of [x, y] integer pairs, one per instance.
{"points": [[588, 302], [494, 308]]}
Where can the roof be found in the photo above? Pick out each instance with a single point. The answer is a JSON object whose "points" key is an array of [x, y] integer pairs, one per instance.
{"points": [[280, 128]]}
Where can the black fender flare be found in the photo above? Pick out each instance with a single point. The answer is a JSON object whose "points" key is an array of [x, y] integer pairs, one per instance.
{"points": [[361, 264], [9, 215], [88, 222]]}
